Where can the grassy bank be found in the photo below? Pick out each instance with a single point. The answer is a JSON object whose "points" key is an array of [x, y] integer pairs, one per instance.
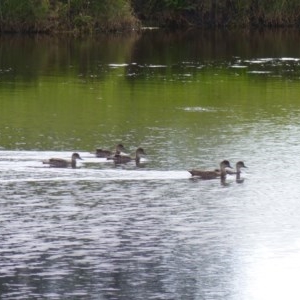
{"points": [[219, 13], [66, 15], [80, 16]]}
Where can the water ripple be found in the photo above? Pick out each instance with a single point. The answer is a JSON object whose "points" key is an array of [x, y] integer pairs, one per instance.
{"points": [[127, 233]]}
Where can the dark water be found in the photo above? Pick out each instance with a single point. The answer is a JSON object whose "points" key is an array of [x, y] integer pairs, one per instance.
{"points": [[125, 232]]}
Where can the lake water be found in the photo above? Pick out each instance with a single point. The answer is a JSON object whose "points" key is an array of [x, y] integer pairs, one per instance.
{"points": [[190, 99]]}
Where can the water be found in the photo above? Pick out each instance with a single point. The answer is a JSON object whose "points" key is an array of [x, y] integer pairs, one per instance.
{"points": [[125, 232]]}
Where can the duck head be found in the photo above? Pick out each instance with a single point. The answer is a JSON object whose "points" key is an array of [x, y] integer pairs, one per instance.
{"points": [[140, 152], [120, 148], [225, 164], [240, 164], [75, 156]]}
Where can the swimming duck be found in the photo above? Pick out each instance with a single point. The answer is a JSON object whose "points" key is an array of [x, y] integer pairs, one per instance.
{"points": [[122, 159], [239, 165], [63, 163], [107, 153], [204, 174]]}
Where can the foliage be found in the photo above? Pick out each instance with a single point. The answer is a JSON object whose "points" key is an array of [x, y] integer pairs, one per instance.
{"points": [[23, 15], [219, 13], [74, 15], [103, 15]]}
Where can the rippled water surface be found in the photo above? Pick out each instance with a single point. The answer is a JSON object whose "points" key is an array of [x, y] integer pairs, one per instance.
{"points": [[102, 231]]}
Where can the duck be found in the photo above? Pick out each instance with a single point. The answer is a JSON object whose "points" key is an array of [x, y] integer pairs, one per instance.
{"points": [[238, 166], [123, 159], [107, 153], [63, 163], [213, 174]]}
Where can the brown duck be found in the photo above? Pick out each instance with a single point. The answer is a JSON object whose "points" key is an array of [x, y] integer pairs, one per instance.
{"points": [[63, 163], [238, 166], [107, 153], [123, 159], [204, 174]]}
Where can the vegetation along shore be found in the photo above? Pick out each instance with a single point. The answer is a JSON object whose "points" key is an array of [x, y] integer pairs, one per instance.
{"points": [[81, 16]]}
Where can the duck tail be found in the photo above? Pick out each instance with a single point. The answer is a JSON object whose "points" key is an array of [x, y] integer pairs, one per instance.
{"points": [[192, 172]]}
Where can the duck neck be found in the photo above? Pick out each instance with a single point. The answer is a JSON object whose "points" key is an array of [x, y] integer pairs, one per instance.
{"points": [[73, 163], [223, 172], [223, 176]]}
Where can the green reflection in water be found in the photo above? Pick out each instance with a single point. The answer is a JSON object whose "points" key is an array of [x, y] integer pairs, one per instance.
{"points": [[156, 88]]}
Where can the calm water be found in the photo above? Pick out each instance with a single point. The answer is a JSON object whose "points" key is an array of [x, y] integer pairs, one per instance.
{"points": [[125, 232]]}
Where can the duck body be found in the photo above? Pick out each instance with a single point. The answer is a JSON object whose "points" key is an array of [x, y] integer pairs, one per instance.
{"points": [[212, 174], [63, 163], [103, 153], [123, 159], [107, 153], [203, 174]]}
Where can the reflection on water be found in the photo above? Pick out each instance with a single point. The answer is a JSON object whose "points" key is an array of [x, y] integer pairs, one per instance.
{"points": [[123, 232]]}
